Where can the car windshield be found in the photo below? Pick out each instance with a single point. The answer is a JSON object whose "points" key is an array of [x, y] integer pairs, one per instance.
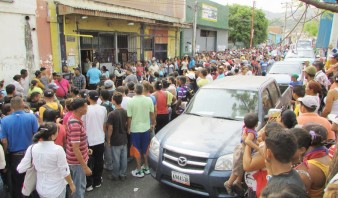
{"points": [[300, 54], [285, 69], [224, 103]]}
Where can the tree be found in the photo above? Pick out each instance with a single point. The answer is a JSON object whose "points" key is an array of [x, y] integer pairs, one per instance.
{"points": [[240, 25], [333, 7], [311, 28]]}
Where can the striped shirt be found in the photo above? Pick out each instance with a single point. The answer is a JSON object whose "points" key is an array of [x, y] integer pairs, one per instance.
{"points": [[76, 133]]}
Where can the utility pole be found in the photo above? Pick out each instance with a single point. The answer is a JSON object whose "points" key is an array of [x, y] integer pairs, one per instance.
{"points": [[193, 45], [252, 23], [286, 10]]}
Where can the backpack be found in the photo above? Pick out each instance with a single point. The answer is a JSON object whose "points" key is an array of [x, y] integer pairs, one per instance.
{"points": [[108, 106], [58, 111]]}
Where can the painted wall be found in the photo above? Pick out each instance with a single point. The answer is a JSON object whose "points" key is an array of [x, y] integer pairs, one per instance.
{"points": [[171, 8], [220, 22], [334, 34], [218, 43], [18, 41], [44, 35]]}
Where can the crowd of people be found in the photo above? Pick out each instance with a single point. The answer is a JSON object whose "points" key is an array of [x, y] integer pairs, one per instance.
{"points": [[72, 125]]}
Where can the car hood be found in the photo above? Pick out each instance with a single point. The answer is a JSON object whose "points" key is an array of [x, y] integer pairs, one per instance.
{"points": [[201, 134], [281, 78]]}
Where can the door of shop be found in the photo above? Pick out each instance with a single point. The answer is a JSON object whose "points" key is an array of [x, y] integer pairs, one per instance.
{"points": [[161, 51]]}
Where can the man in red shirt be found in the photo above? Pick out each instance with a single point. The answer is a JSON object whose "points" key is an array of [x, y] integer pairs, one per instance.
{"points": [[77, 147], [139, 71], [64, 86]]}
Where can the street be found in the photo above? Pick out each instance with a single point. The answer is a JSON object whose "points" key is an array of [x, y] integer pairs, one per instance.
{"points": [[136, 188]]}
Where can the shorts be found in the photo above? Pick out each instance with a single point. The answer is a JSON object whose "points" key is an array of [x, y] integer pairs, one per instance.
{"points": [[139, 143], [237, 167]]}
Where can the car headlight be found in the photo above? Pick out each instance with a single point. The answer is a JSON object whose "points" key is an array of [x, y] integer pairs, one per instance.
{"points": [[155, 147], [224, 163]]}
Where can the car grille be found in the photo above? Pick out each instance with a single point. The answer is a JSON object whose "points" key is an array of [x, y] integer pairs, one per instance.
{"points": [[193, 164]]}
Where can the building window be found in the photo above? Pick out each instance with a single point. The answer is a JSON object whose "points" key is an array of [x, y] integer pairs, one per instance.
{"points": [[148, 44], [207, 33]]}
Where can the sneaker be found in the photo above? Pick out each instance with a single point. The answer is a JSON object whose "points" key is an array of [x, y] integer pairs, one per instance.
{"points": [[98, 186], [228, 188], [146, 170], [89, 188], [137, 173]]}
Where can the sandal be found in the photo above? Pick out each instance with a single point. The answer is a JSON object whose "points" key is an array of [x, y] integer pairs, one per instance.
{"points": [[228, 188]]}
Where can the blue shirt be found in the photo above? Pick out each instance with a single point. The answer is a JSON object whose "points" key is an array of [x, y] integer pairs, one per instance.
{"points": [[297, 83], [94, 75], [192, 63], [220, 76], [19, 128]]}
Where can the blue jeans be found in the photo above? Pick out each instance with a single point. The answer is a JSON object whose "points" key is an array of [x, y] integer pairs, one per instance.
{"points": [[108, 161], [79, 179], [119, 154]]}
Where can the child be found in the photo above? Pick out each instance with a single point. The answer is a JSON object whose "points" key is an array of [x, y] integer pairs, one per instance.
{"points": [[249, 137], [294, 81], [298, 92], [117, 138]]}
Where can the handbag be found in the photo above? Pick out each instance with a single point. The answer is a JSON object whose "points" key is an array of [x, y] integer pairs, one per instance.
{"points": [[29, 183]]}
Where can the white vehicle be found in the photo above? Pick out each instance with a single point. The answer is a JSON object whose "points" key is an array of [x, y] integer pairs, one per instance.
{"points": [[300, 55], [282, 72]]}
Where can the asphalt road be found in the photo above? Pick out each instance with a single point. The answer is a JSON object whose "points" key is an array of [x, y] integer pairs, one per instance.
{"points": [[136, 188]]}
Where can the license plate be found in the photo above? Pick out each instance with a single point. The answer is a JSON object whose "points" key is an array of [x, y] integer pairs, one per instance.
{"points": [[180, 178]]}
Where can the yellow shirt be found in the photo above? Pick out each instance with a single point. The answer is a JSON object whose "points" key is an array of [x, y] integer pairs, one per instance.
{"points": [[39, 83], [52, 105], [35, 89], [202, 82]]}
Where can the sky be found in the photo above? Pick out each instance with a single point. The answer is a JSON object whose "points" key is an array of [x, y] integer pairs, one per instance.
{"points": [[270, 5]]}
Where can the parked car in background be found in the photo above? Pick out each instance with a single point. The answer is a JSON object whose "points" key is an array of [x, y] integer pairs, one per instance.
{"points": [[283, 70], [194, 152], [300, 55]]}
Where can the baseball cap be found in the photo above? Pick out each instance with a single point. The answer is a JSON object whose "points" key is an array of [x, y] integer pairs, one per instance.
{"points": [[108, 83], [37, 72], [48, 93], [309, 101], [335, 56], [311, 70], [191, 76], [94, 95], [83, 93], [295, 76], [53, 86], [76, 68], [58, 74]]}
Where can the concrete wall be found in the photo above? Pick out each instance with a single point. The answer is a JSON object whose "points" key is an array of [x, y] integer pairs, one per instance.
{"points": [[18, 41], [218, 43]]}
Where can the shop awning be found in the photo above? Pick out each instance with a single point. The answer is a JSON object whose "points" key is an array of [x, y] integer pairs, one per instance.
{"points": [[89, 8]]}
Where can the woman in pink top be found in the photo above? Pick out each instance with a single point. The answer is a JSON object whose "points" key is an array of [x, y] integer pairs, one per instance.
{"points": [[69, 111], [50, 115]]}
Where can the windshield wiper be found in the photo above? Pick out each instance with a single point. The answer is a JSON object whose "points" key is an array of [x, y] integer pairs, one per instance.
{"points": [[195, 114]]}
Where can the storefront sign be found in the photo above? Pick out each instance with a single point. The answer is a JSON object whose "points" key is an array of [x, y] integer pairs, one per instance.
{"points": [[209, 13]]}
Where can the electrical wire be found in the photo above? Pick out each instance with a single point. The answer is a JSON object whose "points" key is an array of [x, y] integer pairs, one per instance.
{"points": [[294, 27]]}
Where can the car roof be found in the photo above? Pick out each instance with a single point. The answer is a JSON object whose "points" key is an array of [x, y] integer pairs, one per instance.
{"points": [[251, 83], [290, 62]]}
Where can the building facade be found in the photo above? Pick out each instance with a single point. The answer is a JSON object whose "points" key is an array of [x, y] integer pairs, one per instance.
{"points": [[18, 38], [212, 27], [113, 32]]}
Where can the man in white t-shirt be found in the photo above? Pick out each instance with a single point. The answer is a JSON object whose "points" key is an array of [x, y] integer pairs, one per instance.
{"points": [[95, 123], [154, 67]]}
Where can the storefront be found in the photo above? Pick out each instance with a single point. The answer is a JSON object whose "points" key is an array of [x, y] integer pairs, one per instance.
{"points": [[113, 34]]}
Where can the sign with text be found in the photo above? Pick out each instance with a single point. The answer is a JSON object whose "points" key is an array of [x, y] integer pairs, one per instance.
{"points": [[209, 13]]}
